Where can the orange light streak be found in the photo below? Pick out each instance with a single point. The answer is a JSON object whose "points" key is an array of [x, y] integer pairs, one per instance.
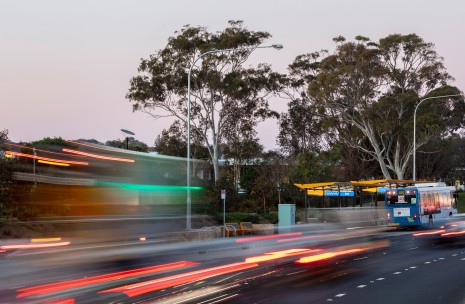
{"points": [[133, 290], [267, 237], [453, 233], [48, 159], [327, 255], [429, 232], [33, 246], [53, 163], [40, 150], [59, 286], [98, 156], [46, 240], [279, 255]]}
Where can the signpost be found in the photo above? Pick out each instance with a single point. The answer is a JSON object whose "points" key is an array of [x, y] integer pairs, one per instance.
{"points": [[223, 197]]}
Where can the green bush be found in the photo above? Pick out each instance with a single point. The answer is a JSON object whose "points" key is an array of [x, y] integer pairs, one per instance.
{"points": [[271, 217], [461, 202], [237, 217]]}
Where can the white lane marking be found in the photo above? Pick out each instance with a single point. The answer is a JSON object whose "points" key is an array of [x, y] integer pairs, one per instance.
{"points": [[295, 272], [398, 272], [463, 259], [360, 258], [372, 282], [455, 254], [427, 262], [412, 248], [329, 300], [361, 286], [441, 259], [222, 300], [413, 267], [379, 279], [406, 269], [435, 260], [340, 295]]}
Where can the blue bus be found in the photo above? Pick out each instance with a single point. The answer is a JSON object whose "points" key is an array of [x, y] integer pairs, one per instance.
{"points": [[420, 205]]}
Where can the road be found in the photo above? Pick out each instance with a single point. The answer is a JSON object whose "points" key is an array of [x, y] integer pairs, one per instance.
{"points": [[410, 271], [246, 271]]}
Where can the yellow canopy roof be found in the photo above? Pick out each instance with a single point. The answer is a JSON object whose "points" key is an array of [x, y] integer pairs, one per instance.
{"points": [[317, 189]]}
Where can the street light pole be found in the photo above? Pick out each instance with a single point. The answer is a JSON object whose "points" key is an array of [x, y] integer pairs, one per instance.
{"points": [[34, 165], [415, 126], [189, 200]]}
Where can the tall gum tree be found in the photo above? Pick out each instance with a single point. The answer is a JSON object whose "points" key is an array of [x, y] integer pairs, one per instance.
{"points": [[369, 91], [299, 127], [221, 87]]}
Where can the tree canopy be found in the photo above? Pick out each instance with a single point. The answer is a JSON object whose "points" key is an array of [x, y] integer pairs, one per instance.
{"points": [[223, 91], [368, 92], [300, 127]]}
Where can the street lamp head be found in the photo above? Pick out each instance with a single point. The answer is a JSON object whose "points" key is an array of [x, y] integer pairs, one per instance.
{"points": [[277, 46], [127, 132]]}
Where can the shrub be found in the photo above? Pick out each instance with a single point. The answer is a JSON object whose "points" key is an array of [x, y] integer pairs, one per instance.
{"points": [[271, 217]]}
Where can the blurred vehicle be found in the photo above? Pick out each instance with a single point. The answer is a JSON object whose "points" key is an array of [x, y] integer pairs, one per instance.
{"points": [[451, 233], [454, 233], [425, 205]]}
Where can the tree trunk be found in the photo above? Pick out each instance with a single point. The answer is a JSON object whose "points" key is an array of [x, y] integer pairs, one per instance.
{"points": [[216, 166]]}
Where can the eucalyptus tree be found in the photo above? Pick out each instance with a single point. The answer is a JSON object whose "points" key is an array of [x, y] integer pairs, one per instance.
{"points": [[221, 86], [299, 127], [241, 148], [369, 92], [172, 141]]}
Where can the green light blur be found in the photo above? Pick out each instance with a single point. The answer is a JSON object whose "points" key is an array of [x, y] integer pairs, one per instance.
{"points": [[164, 188]]}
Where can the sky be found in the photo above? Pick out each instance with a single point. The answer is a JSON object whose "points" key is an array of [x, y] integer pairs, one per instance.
{"points": [[65, 66]]}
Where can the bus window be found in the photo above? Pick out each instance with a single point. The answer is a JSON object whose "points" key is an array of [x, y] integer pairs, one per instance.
{"points": [[402, 199]]}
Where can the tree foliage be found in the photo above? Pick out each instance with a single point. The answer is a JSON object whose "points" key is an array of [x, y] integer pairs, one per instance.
{"points": [[172, 141], [300, 127], [12, 192], [48, 142], [369, 91], [131, 144], [223, 92], [241, 148]]}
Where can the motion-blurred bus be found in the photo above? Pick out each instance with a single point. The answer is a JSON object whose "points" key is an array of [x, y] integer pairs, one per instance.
{"points": [[420, 205]]}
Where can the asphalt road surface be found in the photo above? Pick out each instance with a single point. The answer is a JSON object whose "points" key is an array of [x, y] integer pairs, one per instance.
{"points": [[409, 270]]}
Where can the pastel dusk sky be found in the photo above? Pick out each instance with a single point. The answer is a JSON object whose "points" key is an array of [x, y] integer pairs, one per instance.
{"points": [[65, 66]]}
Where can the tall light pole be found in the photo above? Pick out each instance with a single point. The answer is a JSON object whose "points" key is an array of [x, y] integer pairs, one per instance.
{"points": [[34, 165], [415, 128], [189, 200]]}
